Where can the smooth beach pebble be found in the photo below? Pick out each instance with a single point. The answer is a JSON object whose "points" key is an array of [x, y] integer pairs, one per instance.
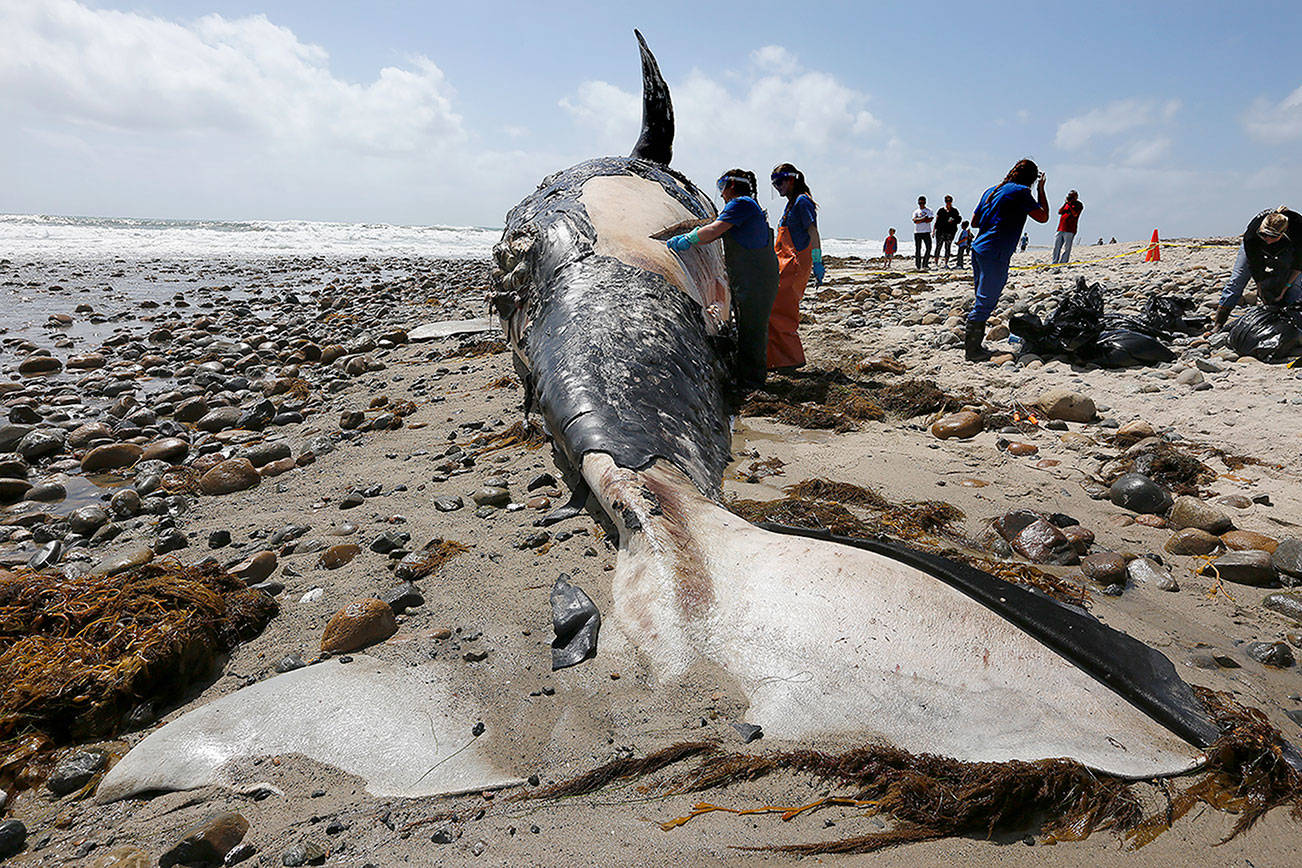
{"points": [[337, 556], [231, 475], [359, 624], [961, 425]]}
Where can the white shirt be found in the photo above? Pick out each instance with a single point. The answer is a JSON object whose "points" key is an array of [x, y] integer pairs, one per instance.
{"points": [[925, 215]]}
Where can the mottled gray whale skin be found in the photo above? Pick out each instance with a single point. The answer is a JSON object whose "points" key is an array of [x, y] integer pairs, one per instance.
{"points": [[618, 356]]}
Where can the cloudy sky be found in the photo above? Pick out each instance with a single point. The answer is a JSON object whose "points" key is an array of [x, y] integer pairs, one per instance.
{"points": [[1182, 116]]}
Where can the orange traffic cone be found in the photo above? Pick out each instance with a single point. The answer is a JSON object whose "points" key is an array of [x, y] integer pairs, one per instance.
{"points": [[1154, 253]]}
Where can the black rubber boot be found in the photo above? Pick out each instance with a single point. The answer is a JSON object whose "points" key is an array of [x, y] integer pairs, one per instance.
{"points": [[972, 349]]}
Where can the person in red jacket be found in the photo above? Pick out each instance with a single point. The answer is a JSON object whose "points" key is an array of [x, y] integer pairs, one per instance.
{"points": [[1068, 215], [889, 246]]}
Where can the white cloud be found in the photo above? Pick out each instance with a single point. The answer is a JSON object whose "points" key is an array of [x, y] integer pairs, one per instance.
{"points": [[62, 60], [1113, 119], [1144, 152], [1275, 123]]}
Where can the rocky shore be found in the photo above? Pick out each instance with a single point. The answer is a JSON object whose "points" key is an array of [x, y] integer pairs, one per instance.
{"points": [[292, 421]]}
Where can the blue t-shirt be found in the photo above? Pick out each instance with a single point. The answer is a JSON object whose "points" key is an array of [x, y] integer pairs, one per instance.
{"points": [[750, 225], [799, 216], [1001, 214]]}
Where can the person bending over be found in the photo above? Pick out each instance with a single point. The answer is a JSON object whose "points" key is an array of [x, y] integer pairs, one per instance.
{"points": [[999, 218], [752, 270], [1270, 253]]}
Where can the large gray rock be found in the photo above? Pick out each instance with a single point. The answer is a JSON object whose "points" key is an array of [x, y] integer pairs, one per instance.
{"points": [[1287, 604], [40, 443], [1248, 567], [408, 731], [1189, 511], [219, 419], [75, 770], [1287, 558], [1137, 493], [1067, 405]]}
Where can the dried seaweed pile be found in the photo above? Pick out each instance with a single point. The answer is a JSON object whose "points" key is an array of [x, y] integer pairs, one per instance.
{"points": [[815, 399], [1166, 465], [822, 504], [76, 655], [930, 797], [475, 349], [435, 554], [910, 398], [528, 434], [821, 399]]}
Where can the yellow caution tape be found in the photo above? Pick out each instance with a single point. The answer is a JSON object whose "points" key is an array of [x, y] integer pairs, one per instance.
{"points": [[1144, 249]]}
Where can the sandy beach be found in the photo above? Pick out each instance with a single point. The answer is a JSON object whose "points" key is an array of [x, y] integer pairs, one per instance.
{"points": [[355, 431]]}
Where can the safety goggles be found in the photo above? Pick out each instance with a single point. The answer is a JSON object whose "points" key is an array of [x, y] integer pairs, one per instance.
{"points": [[724, 181], [778, 177]]}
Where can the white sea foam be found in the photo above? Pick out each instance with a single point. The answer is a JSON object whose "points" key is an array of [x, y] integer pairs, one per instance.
{"points": [[96, 238], [25, 236]]}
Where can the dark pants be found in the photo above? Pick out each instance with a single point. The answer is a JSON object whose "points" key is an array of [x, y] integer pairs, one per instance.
{"points": [[753, 279], [961, 251], [945, 242], [919, 260]]}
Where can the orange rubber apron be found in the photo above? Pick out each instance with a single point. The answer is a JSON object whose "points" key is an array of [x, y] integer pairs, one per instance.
{"points": [[794, 268]]}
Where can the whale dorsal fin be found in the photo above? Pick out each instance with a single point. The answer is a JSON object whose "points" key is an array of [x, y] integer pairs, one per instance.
{"points": [[657, 140]]}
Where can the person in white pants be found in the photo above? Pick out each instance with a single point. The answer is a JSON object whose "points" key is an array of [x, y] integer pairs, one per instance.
{"points": [[1069, 213]]}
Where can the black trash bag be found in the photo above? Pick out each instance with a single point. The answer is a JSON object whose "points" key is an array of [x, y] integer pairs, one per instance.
{"points": [[1124, 348], [1073, 326], [1163, 317], [1267, 333]]}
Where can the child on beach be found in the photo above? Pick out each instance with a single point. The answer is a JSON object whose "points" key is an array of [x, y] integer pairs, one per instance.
{"points": [[889, 246]]}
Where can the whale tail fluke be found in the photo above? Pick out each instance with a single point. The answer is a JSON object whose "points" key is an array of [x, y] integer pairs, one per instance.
{"points": [[657, 140], [830, 638]]}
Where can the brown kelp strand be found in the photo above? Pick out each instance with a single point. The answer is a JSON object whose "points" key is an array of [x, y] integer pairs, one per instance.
{"points": [[528, 434], [1246, 773]]}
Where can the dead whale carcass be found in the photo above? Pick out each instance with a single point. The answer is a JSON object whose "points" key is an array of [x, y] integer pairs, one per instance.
{"points": [[615, 338]]}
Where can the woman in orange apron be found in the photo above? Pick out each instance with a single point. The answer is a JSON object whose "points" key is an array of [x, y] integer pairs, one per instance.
{"points": [[798, 249]]}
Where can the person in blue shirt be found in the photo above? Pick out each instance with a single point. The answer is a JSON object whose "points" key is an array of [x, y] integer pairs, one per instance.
{"points": [[752, 271], [999, 218]]}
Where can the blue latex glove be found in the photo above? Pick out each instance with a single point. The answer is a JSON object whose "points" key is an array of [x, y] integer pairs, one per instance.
{"points": [[819, 269], [683, 243]]}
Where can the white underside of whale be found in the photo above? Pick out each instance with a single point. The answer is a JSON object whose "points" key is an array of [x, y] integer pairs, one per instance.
{"points": [[828, 640], [404, 730]]}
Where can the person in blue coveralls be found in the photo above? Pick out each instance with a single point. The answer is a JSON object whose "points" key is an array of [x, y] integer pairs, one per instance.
{"points": [[999, 217], [752, 271]]}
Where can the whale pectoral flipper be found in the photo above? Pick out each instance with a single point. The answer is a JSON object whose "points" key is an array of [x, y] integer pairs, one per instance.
{"points": [[579, 494]]}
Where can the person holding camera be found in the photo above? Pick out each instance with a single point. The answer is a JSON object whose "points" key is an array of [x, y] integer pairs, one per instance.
{"points": [[1000, 216]]}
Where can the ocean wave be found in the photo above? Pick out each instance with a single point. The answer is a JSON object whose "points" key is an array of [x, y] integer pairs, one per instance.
{"points": [[59, 237]]}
